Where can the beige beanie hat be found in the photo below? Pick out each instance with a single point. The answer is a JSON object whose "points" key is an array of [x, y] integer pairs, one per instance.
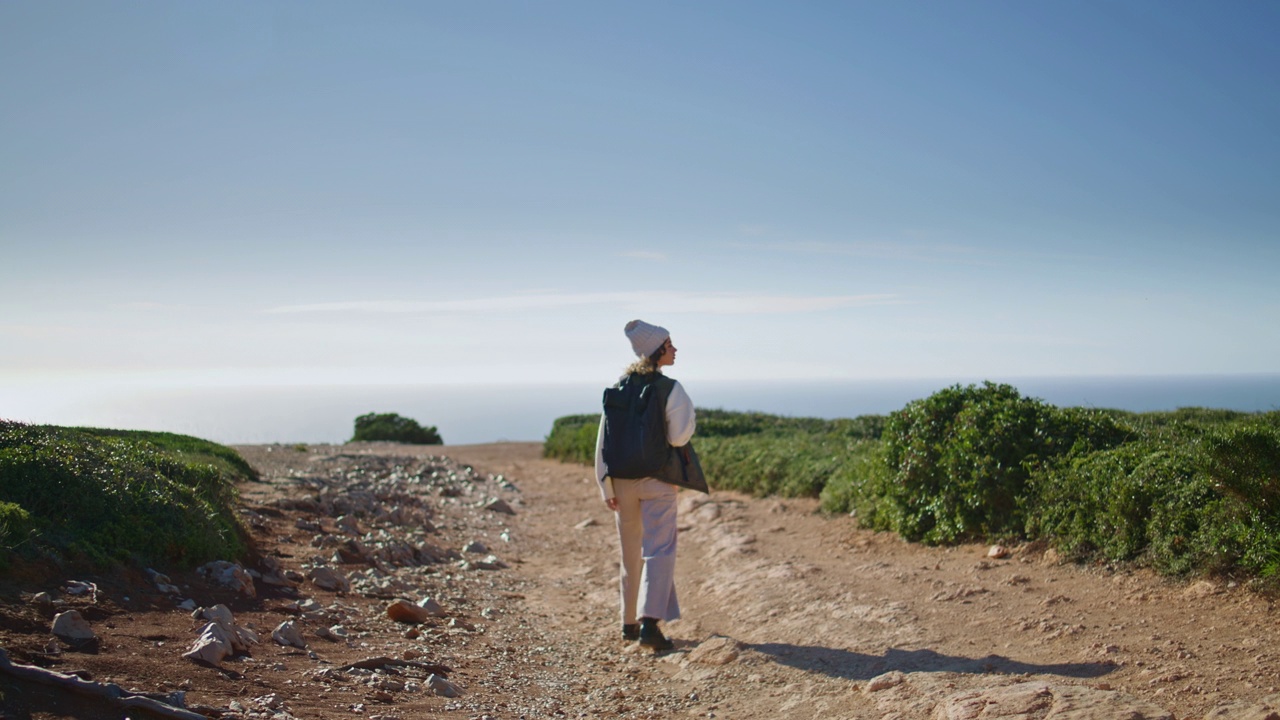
{"points": [[645, 338]]}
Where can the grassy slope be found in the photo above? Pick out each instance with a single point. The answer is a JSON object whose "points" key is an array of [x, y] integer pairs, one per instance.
{"points": [[114, 496]]}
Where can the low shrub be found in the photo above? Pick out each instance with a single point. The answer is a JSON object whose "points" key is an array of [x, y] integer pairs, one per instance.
{"points": [[1192, 490], [16, 527], [111, 496], [962, 456], [1208, 504], [1099, 504], [573, 439], [858, 487], [791, 464], [390, 427], [726, 423], [752, 452]]}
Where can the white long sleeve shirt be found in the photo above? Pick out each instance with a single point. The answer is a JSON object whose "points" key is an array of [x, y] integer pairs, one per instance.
{"points": [[680, 426]]}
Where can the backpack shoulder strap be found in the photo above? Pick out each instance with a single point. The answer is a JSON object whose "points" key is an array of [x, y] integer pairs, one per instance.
{"points": [[664, 385]]}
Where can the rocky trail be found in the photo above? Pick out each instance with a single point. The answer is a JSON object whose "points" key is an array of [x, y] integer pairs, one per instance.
{"points": [[480, 582]]}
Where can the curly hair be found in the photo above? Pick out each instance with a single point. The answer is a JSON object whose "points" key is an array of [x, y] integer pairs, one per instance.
{"points": [[647, 365]]}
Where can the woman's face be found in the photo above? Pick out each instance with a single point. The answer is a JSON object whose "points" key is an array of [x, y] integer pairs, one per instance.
{"points": [[668, 354]]}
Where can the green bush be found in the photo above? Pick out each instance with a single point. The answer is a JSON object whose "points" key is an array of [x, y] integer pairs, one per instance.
{"points": [[858, 487], [1193, 490], [111, 496], [16, 527], [390, 427], [962, 456], [752, 452], [1206, 504], [1100, 504], [790, 464], [726, 423], [573, 439], [1244, 459]]}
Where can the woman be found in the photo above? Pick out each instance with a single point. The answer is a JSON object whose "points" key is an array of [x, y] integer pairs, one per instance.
{"points": [[645, 509]]}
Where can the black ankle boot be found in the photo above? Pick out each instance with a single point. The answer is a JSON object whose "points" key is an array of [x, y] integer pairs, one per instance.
{"points": [[631, 632], [652, 637]]}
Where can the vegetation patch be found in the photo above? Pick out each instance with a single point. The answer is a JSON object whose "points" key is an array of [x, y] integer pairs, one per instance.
{"points": [[961, 459], [1192, 491], [752, 452], [1195, 492], [109, 496], [573, 439], [390, 427]]}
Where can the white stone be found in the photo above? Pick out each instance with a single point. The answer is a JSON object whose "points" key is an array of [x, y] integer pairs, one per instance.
{"points": [[443, 687], [238, 639], [70, 625], [77, 587], [220, 614], [213, 646], [288, 634], [432, 607], [272, 702], [247, 636]]}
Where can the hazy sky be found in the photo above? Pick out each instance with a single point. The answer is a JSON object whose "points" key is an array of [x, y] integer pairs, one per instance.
{"points": [[197, 194]]}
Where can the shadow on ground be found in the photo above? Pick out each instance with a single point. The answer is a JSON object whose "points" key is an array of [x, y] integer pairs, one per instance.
{"points": [[848, 665]]}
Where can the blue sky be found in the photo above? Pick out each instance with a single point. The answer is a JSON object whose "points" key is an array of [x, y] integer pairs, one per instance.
{"points": [[204, 194]]}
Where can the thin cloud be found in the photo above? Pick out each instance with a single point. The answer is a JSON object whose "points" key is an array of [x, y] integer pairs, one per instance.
{"points": [[705, 303]]}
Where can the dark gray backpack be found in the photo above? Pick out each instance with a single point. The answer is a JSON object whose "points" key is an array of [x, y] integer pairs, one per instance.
{"points": [[635, 426]]}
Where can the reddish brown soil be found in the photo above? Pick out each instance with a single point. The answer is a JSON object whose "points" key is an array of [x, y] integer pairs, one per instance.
{"points": [[788, 613]]}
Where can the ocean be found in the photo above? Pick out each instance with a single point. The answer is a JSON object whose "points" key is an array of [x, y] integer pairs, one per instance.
{"points": [[466, 414]]}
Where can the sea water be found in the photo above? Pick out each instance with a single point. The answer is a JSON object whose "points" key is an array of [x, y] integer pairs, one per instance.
{"points": [[486, 413]]}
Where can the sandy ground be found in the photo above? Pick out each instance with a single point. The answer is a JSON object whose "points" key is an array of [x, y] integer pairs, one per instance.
{"points": [[787, 613]]}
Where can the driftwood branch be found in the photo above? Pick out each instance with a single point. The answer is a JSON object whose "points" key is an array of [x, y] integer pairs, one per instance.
{"points": [[378, 663], [105, 691]]}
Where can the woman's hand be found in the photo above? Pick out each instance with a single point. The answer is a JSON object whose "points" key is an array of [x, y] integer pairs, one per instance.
{"points": [[611, 503]]}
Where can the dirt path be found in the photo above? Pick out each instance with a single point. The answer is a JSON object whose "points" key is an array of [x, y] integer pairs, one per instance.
{"points": [[827, 620], [788, 614]]}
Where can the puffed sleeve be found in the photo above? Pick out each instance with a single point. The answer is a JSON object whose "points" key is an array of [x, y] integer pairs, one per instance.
{"points": [[602, 470], [680, 420]]}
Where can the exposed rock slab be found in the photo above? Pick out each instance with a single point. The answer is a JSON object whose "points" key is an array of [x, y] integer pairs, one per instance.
{"points": [[1044, 701]]}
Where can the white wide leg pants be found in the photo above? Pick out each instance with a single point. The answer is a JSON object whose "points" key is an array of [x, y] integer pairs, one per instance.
{"points": [[647, 530]]}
